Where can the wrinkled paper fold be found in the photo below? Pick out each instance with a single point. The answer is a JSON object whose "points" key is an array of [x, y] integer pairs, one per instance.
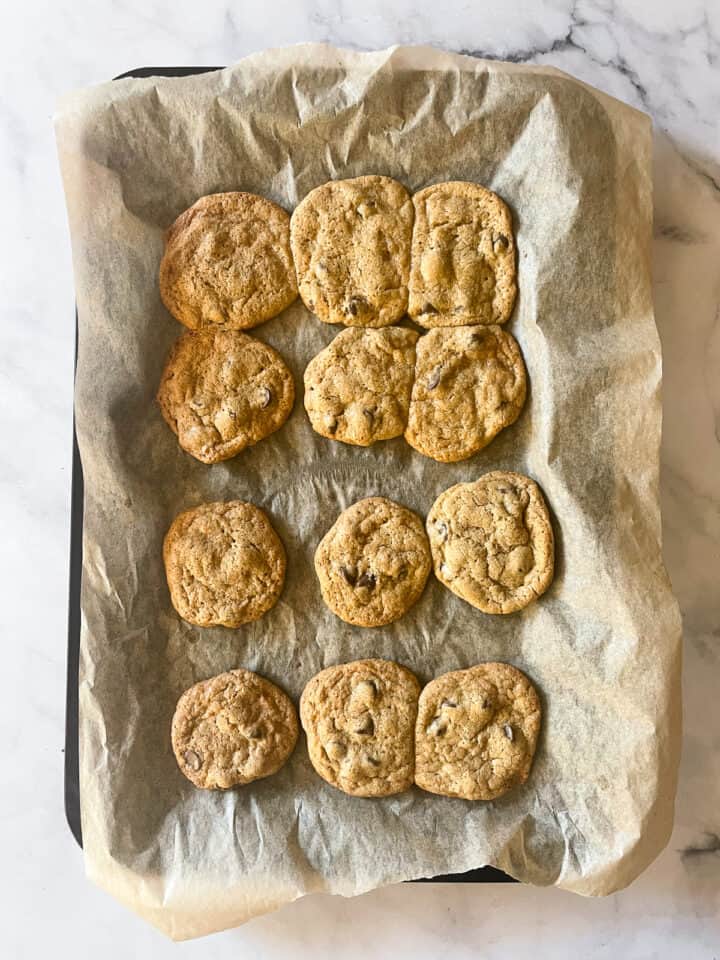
{"points": [[602, 645]]}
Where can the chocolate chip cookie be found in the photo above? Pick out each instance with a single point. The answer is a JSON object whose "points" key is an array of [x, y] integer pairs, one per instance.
{"points": [[463, 257], [227, 262], [222, 391], [476, 732], [492, 542], [357, 389], [224, 563], [469, 384], [351, 244], [373, 562], [359, 719], [233, 729]]}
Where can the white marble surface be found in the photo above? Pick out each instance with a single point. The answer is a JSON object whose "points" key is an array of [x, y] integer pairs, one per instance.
{"points": [[661, 55]]}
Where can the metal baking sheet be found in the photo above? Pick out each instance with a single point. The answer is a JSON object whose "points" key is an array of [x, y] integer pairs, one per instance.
{"points": [[72, 786]]}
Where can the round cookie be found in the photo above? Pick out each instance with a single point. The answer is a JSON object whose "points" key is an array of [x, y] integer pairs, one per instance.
{"points": [[476, 732], [463, 257], [492, 542], [222, 391], [227, 262], [224, 563], [373, 562], [357, 389], [359, 719], [351, 244], [469, 384], [232, 729]]}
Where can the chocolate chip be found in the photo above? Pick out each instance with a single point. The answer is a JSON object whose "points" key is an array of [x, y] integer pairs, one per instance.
{"points": [[508, 731], [353, 304], [373, 761], [367, 580], [335, 749], [434, 378], [192, 759], [265, 397], [350, 574], [367, 727], [486, 704], [442, 529]]}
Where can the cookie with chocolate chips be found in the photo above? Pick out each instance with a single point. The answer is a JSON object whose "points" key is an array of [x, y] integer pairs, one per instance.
{"points": [[351, 244], [232, 729], [463, 257], [373, 562], [359, 719], [469, 385], [224, 563], [227, 262], [492, 542], [222, 391], [357, 390], [476, 732]]}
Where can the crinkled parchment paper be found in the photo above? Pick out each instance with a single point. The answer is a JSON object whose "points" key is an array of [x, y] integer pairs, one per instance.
{"points": [[602, 645]]}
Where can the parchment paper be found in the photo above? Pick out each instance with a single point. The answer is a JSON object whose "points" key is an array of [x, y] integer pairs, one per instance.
{"points": [[602, 645]]}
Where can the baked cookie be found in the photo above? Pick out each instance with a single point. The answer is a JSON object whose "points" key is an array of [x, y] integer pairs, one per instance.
{"points": [[359, 719], [463, 257], [469, 385], [492, 542], [357, 389], [373, 562], [224, 563], [351, 245], [476, 732], [227, 262], [222, 391], [233, 729]]}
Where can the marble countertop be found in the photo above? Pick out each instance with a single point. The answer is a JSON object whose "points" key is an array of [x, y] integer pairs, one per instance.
{"points": [[660, 55]]}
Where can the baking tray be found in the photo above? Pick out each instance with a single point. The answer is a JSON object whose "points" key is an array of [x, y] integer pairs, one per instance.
{"points": [[72, 772]]}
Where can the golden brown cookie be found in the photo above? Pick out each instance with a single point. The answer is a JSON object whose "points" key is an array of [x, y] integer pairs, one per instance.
{"points": [[373, 562], [492, 542], [476, 732], [233, 729], [222, 391], [463, 257], [359, 719], [351, 245], [469, 385], [224, 563], [357, 389], [227, 262]]}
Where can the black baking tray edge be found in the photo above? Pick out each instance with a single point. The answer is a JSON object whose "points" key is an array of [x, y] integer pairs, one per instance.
{"points": [[72, 772]]}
